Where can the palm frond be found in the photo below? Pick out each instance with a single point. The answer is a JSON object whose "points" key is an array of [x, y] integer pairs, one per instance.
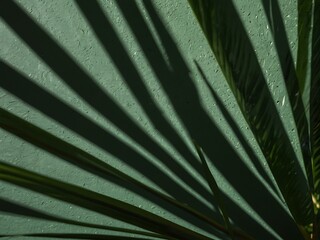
{"points": [[304, 36], [315, 112], [293, 84], [314, 98], [229, 42], [249, 150]]}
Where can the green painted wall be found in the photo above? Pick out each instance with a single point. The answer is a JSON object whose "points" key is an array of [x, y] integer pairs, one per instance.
{"points": [[64, 23]]}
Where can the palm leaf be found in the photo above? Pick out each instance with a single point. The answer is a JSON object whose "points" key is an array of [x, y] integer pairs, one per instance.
{"points": [[315, 111], [235, 55], [314, 98], [249, 150], [96, 202], [293, 84], [304, 35]]}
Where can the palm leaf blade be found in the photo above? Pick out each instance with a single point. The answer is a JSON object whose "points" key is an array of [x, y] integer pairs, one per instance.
{"points": [[304, 34], [235, 55], [294, 79], [314, 98], [315, 113]]}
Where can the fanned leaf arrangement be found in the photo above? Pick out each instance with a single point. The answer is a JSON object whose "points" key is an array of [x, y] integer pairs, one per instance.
{"points": [[234, 53], [293, 84], [230, 43]]}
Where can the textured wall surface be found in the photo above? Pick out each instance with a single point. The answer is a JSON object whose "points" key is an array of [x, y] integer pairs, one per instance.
{"points": [[123, 74]]}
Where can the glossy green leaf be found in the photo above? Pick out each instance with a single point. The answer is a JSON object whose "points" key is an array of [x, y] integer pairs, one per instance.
{"points": [[96, 202], [232, 48]]}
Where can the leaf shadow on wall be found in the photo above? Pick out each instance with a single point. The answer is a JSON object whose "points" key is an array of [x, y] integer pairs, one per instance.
{"points": [[183, 96], [59, 61]]}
